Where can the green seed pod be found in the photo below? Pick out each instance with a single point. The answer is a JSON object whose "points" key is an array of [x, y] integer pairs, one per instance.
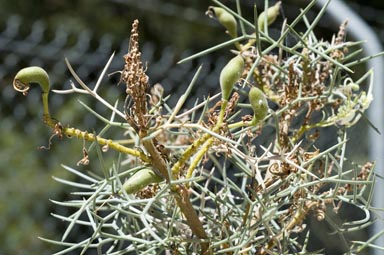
{"points": [[259, 104], [272, 13], [230, 74], [141, 179], [225, 18], [35, 75], [30, 75]]}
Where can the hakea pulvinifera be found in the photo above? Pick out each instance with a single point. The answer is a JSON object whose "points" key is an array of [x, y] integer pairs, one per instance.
{"points": [[34, 75], [271, 13], [259, 105], [140, 180], [29, 75], [37, 75], [157, 168], [225, 18], [229, 75]]}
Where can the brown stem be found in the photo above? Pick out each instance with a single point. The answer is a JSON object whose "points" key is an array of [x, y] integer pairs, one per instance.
{"points": [[183, 201], [181, 194]]}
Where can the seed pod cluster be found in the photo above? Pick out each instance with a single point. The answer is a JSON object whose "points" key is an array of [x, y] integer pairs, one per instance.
{"points": [[230, 74], [271, 13], [259, 104], [141, 179], [225, 18]]}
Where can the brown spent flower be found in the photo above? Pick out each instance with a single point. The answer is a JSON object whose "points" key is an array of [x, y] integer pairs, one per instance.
{"points": [[136, 80]]}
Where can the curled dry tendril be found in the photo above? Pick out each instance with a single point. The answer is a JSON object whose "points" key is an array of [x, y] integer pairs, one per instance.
{"points": [[21, 87]]}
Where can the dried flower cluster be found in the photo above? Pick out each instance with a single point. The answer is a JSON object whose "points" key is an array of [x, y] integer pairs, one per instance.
{"points": [[136, 81]]}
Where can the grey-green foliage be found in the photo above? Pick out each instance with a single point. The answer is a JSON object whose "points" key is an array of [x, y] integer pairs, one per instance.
{"points": [[249, 196]]}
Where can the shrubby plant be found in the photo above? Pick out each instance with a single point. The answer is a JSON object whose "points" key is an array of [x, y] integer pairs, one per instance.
{"points": [[238, 173]]}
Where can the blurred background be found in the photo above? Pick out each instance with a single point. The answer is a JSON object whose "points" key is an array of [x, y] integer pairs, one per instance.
{"points": [[87, 32]]}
